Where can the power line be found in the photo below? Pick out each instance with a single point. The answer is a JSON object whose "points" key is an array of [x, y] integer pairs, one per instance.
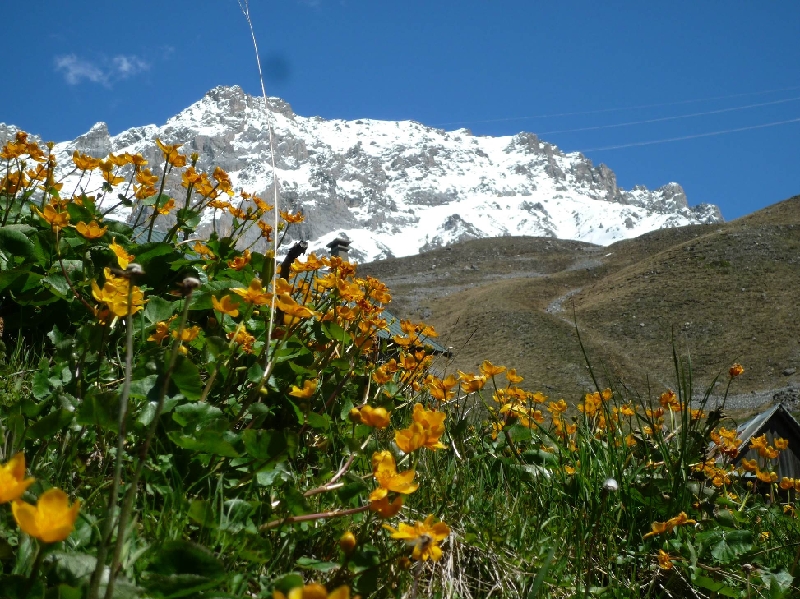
{"points": [[619, 109], [670, 118], [685, 137]]}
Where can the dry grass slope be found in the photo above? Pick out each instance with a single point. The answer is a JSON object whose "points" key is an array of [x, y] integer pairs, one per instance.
{"points": [[724, 292]]}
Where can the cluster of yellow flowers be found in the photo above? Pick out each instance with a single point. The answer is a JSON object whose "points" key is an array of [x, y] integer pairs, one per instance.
{"points": [[52, 519], [425, 430], [660, 528], [766, 453]]}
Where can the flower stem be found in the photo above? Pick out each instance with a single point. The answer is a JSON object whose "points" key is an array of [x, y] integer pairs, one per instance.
{"points": [[113, 498], [130, 494]]}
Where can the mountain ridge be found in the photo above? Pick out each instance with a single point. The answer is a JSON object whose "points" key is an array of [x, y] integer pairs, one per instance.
{"points": [[397, 188]]}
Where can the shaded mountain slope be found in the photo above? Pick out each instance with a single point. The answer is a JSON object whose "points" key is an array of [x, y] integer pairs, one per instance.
{"points": [[724, 292]]}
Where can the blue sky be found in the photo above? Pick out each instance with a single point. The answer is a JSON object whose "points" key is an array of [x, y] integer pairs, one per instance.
{"points": [[495, 66]]}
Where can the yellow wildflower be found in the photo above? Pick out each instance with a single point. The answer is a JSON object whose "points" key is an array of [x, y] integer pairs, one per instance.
{"points": [[471, 382], [226, 305], [239, 262], [123, 257], [187, 334], [84, 162], [309, 387], [114, 294], [425, 430], [664, 560], [241, 337], [314, 591], [90, 231], [12, 479], [512, 376], [292, 218], [203, 250], [385, 472], [51, 519], [377, 417], [254, 294], [55, 218], [347, 542], [423, 537], [665, 527], [736, 370], [167, 207], [441, 389], [489, 370], [384, 508], [162, 330]]}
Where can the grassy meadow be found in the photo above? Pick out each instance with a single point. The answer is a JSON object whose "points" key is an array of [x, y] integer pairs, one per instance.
{"points": [[186, 417]]}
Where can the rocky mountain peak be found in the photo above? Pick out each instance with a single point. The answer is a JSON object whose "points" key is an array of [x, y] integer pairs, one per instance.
{"points": [[399, 188]]}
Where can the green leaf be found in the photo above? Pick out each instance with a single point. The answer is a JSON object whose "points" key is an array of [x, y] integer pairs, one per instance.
{"points": [[255, 372], [287, 582], [99, 409], [211, 442], [190, 218], [731, 545], [287, 353], [19, 587], [714, 586], [58, 285], [213, 347], [158, 309], [186, 378], [264, 444], [197, 417], [202, 513], [41, 380], [71, 567], [519, 433], [778, 583], [201, 300], [51, 424], [334, 331], [268, 476], [142, 388], [15, 241], [352, 489], [181, 569], [320, 422], [308, 563], [8, 277]]}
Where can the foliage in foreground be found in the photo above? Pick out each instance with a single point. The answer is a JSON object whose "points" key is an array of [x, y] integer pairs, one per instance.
{"points": [[179, 419]]}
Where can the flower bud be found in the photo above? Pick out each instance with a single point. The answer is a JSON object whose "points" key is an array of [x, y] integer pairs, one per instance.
{"points": [[347, 542], [610, 485], [354, 416], [191, 283], [134, 270]]}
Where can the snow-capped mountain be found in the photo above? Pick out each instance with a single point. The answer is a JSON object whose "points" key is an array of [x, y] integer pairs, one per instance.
{"points": [[399, 188]]}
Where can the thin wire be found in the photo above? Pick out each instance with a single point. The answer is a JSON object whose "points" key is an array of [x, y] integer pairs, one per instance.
{"points": [[244, 5], [621, 108], [685, 137], [670, 118]]}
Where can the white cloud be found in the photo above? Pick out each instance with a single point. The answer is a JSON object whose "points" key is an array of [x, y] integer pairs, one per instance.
{"points": [[127, 66], [75, 69], [121, 66]]}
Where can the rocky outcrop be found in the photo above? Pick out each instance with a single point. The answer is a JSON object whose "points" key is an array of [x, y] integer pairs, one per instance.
{"points": [[398, 188]]}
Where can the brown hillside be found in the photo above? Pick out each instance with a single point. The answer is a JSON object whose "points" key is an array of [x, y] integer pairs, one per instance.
{"points": [[725, 292]]}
